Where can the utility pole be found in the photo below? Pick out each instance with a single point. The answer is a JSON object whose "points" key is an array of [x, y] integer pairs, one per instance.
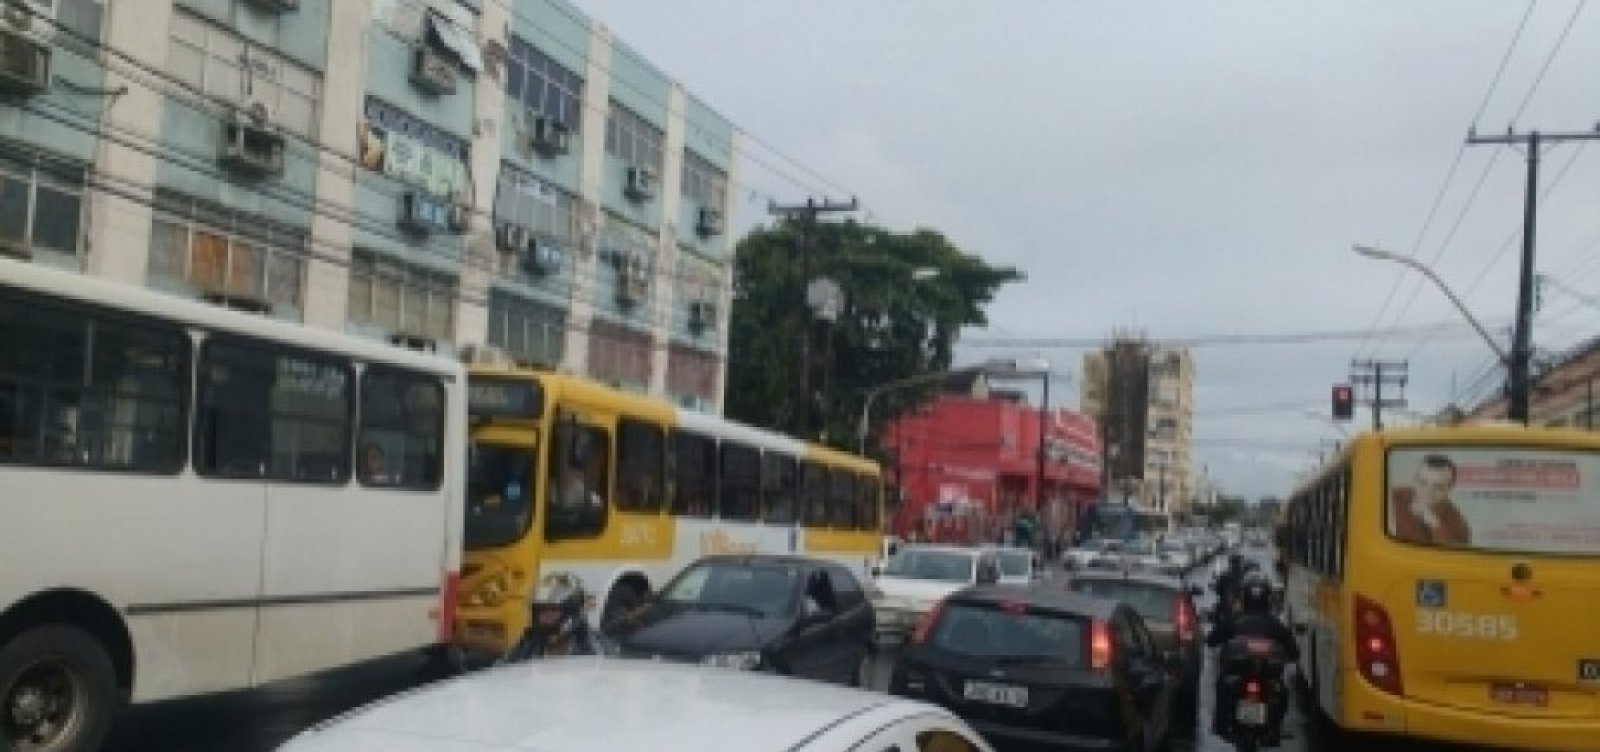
{"points": [[1519, 384], [1376, 374], [805, 217]]}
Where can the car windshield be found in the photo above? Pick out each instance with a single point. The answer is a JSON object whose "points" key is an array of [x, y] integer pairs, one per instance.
{"points": [[944, 566], [499, 495], [986, 631], [1016, 563], [1139, 548], [755, 590], [1153, 602]]}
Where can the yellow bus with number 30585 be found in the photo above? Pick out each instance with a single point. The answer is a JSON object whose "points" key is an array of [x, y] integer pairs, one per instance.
{"points": [[1444, 583], [623, 490]]}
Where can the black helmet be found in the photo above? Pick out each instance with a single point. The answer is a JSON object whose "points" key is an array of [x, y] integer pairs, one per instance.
{"points": [[1255, 594], [1236, 561]]}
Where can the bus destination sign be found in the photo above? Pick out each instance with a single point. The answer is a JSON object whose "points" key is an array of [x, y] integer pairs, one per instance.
{"points": [[489, 397]]}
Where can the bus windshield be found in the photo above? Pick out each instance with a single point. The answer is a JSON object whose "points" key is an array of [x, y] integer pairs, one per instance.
{"points": [[499, 495]]}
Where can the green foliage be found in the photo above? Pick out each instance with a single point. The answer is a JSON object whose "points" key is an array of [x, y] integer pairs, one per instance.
{"points": [[893, 325]]}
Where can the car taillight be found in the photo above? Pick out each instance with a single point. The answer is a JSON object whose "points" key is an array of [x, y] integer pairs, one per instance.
{"points": [[1100, 646], [925, 624], [1252, 689], [1376, 653], [1184, 619]]}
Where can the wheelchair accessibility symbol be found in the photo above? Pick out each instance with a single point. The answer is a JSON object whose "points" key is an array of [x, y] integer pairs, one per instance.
{"points": [[1432, 594]]}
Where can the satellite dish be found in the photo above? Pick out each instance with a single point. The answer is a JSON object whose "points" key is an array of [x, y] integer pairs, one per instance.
{"points": [[257, 112]]}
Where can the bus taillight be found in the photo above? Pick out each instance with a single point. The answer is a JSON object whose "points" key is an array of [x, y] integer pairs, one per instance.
{"points": [[449, 592], [1376, 653]]}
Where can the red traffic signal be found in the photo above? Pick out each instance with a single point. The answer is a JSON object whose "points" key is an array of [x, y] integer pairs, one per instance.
{"points": [[1344, 402]]}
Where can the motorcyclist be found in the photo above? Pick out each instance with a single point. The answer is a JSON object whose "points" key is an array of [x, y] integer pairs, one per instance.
{"points": [[1227, 585], [1255, 619]]}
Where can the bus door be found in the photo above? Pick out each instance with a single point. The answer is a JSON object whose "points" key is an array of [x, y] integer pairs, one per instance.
{"points": [[1498, 614]]}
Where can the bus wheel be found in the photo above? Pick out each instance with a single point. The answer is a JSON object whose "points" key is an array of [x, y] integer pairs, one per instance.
{"points": [[58, 691], [625, 598]]}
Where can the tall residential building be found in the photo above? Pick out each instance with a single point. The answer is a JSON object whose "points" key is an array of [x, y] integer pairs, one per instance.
{"points": [[436, 173], [1141, 395]]}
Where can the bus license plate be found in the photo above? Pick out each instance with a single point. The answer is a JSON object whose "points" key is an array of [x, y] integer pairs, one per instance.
{"points": [[997, 694], [1252, 713], [1519, 694]]}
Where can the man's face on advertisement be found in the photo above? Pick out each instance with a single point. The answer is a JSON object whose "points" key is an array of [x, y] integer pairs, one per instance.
{"points": [[1433, 484]]}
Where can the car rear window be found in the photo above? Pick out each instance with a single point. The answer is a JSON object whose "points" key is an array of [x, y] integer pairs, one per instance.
{"points": [[1153, 602], [988, 631]]}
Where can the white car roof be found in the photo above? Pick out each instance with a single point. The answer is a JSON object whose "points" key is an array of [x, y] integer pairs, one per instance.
{"points": [[965, 550], [611, 705]]}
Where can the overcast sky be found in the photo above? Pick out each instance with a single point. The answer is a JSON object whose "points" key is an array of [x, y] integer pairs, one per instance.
{"points": [[1181, 168]]}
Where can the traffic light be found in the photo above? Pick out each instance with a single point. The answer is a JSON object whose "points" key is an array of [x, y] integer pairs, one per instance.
{"points": [[1344, 402]]}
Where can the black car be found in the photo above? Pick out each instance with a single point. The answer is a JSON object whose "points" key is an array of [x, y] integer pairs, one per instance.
{"points": [[1043, 666], [1169, 612], [785, 614]]}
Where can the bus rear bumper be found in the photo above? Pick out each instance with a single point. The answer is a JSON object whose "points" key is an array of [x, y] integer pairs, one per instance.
{"points": [[1412, 718]]}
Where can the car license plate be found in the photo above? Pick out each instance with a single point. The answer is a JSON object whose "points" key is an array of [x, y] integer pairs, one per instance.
{"points": [[1520, 694], [1252, 713], [997, 694]]}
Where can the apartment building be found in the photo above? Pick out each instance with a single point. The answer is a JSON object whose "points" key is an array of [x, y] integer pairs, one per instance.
{"points": [[435, 173], [1141, 395]]}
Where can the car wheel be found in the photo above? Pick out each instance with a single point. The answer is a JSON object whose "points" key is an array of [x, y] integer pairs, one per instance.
{"points": [[58, 691]]}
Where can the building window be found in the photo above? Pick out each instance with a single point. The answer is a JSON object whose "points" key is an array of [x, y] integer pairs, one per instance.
{"points": [[202, 248], [692, 374], [530, 332], [619, 356], [547, 211], [703, 183], [543, 84], [412, 151], [633, 139], [401, 298], [225, 66], [41, 203]]}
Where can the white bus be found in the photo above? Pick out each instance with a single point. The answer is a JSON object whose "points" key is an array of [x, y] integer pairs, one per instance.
{"points": [[194, 499]]}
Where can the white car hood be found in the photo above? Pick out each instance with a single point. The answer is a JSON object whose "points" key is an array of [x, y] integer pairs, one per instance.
{"points": [[915, 593]]}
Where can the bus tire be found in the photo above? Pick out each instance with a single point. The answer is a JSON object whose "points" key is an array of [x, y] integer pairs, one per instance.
{"points": [[625, 598], [58, 690]]}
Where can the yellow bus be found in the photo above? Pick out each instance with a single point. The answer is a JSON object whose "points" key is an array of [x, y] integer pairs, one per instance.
{"points": [[1444, 584], [623, 491]]}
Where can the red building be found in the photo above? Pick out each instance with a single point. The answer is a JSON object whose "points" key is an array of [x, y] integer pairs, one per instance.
{"points": [[967, 467]]}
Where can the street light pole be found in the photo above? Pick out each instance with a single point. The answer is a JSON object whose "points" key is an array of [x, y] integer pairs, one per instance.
{"points": [[1038, 489]]}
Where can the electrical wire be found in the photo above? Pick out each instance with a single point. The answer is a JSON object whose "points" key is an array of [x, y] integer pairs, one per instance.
{"points": [[1213, 340], [1549, 59], [1444, 187]]}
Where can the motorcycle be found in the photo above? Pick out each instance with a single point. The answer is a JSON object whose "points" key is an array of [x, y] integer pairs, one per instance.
{"points": [[1253, 675], [556, 624]]}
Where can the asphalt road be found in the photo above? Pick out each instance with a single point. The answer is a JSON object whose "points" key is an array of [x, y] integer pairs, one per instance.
{"points": [[260, 720]]}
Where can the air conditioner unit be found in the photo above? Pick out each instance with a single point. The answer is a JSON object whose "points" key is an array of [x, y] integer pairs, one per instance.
{"points": [[641, 184], [548, 136], [709, 222], [423, 213], [237, 301], [24, 63], [702, 315], [634, 284], [540, 259], [418, 342], [431, 71], [276, 6], [511, 237], [250, 146]]}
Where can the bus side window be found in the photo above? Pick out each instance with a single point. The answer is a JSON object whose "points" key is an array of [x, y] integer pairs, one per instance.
{"points": [[813, 494], [269, 412], [579, 469], [841, 499], [778, 488], [741, 482], [641, 466], [402, 430], [694, 474], [867, 491]]}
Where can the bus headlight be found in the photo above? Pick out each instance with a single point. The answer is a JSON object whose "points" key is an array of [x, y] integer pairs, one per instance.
{"points": [[491, 593]]}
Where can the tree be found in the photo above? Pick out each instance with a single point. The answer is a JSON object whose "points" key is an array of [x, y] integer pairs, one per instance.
{"points": [[893, 324]]}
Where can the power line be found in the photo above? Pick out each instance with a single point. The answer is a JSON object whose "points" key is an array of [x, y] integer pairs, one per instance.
{"points": [[1455, 164], [1550, 58], [1213, 340]]}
